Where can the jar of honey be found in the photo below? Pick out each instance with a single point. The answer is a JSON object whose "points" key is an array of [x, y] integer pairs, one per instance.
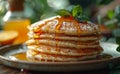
{"points": [[15, 20]]}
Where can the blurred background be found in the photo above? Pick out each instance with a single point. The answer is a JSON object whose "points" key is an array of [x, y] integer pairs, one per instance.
{"points": [[105, 13]]}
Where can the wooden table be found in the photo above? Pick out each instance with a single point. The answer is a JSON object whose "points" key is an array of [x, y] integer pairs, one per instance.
{"points": [[9, 70]]}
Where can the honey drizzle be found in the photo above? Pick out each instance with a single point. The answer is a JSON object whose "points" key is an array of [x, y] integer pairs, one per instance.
{"points": [[77, 26], [37, 28], [59, 25]]}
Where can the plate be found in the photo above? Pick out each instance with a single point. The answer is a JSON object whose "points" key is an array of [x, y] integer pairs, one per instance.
{"points": [[109, 56]]}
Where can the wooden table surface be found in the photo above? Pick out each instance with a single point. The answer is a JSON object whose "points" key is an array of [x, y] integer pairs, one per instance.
{"points": [[9, 70]]}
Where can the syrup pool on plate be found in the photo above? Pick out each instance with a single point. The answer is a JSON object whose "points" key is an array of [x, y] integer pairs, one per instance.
{"points": [[19, 56]]}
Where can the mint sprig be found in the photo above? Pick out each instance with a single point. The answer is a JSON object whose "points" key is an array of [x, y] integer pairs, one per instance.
{"points": [[118, 42], [76, 12]]}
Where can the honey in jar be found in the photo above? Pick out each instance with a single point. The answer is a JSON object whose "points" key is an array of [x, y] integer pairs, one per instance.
{"points": [[15, 20]]}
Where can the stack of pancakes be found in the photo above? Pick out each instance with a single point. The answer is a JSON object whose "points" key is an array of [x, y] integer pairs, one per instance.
{"points": [[63, 39]]}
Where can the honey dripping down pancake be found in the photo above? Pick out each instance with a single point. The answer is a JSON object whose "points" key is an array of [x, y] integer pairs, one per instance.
{"points": [[62, 38]]}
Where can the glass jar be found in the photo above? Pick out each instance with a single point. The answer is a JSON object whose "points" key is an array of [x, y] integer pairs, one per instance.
{"points": [[15, 20]]}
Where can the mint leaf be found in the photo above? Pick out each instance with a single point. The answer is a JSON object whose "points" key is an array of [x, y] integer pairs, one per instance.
{"points": [[77, 11], [118, 40], [78, 14], [118, 49], [63, 12]]}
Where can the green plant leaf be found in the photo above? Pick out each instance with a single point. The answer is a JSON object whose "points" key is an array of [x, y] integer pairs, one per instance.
{"points": [[117, 10], [63, 12], [118, 49], [110, 14], [117, 13], [99, 19], [77, 11], [118, 40]]}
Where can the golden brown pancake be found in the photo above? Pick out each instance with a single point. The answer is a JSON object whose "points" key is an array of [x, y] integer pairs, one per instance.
{"points": [[63, 25], [33, 35], [69, 44], [33, 55], [65, 51]]}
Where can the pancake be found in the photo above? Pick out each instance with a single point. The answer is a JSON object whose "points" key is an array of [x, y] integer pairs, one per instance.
{"points": [[63, 37], [69, 44], [62, 25], [65, 51], [33, 55]]}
